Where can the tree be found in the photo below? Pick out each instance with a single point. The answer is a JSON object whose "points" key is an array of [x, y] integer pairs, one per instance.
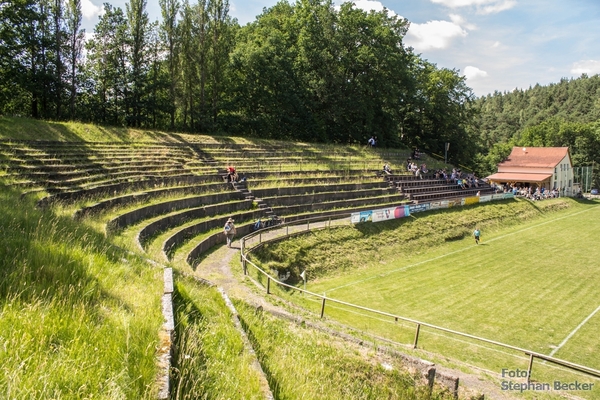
{"points": [[170, 10], [75, 48], [107, 68], [138, 23]]}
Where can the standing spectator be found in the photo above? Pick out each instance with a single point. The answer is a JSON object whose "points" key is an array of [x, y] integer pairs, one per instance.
{"points": [[229, 230], [371, 142]]}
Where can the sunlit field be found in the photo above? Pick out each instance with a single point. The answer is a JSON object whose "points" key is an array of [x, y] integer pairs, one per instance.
{"points": [[532, 285]]}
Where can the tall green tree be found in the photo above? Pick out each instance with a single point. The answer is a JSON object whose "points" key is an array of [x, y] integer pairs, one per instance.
{"points": [[107, 68], [138, 23], [170, 10], [76, 37]]}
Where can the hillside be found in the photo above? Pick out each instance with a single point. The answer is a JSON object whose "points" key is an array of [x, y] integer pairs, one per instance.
{"points": [[562, 114]]}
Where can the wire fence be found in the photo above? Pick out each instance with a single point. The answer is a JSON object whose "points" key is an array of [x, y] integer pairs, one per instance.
{"points": [[338, 307]]}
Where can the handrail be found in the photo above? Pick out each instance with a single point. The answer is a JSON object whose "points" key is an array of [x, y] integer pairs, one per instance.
{"points": [[244, 260]]}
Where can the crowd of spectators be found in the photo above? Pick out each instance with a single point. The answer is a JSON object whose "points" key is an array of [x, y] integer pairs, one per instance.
{"points": [[464, 181], [538, 193], [416, 169]]}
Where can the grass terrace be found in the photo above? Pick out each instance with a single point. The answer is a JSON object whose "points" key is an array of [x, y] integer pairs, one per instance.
{"points": [[74, 296]]}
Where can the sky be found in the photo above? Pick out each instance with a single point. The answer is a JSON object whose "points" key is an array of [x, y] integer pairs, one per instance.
{"points": [[498, 45]]}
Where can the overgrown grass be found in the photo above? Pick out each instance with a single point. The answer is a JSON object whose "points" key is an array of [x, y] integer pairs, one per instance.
{"points": [[342, 251], [79, 318], [302, 363], [210, 361]]}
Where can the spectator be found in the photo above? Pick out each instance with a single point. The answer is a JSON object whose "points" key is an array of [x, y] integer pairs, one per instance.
{"points": [[416, 154], [231, 174], [386, 169], [371, 142], [229, 230]]}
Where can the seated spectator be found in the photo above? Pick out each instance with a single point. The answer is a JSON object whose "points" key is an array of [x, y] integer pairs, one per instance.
{"points": [[231, 174], [386, 169]]}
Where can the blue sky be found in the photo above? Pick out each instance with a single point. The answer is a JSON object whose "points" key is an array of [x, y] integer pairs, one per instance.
{"points": [[497, 44]]}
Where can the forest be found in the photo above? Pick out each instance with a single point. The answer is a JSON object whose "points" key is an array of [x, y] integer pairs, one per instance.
{"points": [[566, 113], [306, 71]]}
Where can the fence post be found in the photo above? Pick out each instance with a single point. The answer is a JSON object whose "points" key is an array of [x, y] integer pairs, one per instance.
{"points": [[242, 249], [260, 237], [308, 225], [529, 368], [268, 284], [417, 336], [323, 307], [287, 228]]}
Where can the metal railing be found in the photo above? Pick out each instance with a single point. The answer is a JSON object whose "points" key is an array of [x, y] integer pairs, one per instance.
{"points": [[326, 222]]}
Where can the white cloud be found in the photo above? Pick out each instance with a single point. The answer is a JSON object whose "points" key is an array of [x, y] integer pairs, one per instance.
{"points": [[459, 20], [433, 35], [474, 72], [496, 44], [497, 7], [590, 67], [483, 6], [90, 10]]}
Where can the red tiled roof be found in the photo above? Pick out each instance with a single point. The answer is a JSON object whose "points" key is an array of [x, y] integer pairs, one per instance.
{"points": [[516, 177], [535, 157]]}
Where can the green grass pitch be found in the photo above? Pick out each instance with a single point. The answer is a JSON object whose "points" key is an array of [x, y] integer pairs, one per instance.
{"points": [[535, 286]]}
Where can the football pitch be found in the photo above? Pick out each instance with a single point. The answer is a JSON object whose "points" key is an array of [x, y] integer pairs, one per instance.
{"points": [[535, 286]]}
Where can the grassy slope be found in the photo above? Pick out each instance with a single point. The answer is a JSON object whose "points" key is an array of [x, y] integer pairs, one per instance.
{"points": [[79, 318], [303, 363]]}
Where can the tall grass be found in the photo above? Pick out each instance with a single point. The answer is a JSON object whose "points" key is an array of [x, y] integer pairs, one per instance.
{"points": [[79, 319], [210, 360], [302, 363]]}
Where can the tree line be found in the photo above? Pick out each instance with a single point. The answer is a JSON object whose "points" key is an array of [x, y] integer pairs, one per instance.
{"points": [[302, 71]]}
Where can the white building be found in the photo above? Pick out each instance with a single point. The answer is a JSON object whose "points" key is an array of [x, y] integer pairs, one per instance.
{"points": [[547, 167]]}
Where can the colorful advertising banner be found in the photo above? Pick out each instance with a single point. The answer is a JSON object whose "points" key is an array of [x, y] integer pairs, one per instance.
{"points": [[363, 216], [386, 214], [414, 208], [454, 202], [471, 200]]}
